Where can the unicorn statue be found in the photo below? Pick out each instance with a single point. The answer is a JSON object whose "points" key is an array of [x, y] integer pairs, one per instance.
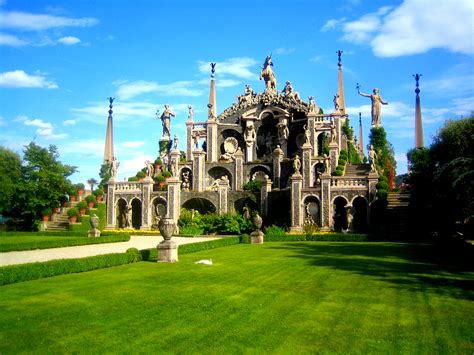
{"points": [[268, 75]]}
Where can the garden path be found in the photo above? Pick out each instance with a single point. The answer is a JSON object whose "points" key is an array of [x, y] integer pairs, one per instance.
{"points": [[139, 242]]}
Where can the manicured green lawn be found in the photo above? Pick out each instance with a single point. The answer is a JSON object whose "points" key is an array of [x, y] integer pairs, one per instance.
{"points": [[272, 298], [16, 242]]}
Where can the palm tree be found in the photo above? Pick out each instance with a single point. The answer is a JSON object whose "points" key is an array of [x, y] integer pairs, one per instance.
{"points": [[92, 182]]}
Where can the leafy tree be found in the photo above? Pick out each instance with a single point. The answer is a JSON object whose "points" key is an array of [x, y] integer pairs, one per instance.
{"points": [[104, 174], [353, 154], [10, 174], [385, 162], [42, 184], [92, 182]]}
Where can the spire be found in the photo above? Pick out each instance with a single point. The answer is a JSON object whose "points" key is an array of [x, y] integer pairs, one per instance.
{"points": [[212, 94], [361, 137], [418, 122], [340, 85], [109, 136]]}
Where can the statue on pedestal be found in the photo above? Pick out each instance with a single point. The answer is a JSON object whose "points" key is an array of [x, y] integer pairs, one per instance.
{"points": [[268, 75], [372, 157], [165, 120], [377, 101]]}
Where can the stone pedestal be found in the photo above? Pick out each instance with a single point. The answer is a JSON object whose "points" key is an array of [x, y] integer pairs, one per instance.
{"points": [[223, 189], [167, 252], [296, 203], [256, 237], [239, 170], [173, 206], [199, 173], [306, 164], [147, 188], [277, 159], [211, 141], [333, 156], [93, 233]]}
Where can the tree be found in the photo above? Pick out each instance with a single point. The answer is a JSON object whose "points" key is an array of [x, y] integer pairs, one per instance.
{"points": [[10, 174], [385, 163], [42, 184], [92, 182], [104, 174]]}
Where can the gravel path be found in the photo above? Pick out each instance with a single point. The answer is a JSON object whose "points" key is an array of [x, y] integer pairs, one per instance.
{"points": [[139, 242]]}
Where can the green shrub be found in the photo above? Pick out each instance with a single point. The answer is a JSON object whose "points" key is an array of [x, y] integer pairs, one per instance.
{"points": [[98, 192], [160, 178], [166, 174], [338, 172], [46, 212], [79, 186], [132, 179], [245, 238], [382, 185], [137, 256], [140, 175], [382, 194], [275, 231], [191, 230], [32, 271], [73, 212], [90, 198], [158, 161], [82, 204], [253, 185]]}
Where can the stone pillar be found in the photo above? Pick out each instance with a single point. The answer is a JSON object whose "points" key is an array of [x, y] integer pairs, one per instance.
{"points": [[333, 155], [173, 207], [266, 188], [239, 170], [306, 164], [277, 159], [199, 173], [111, 218], [337, 122], [297, 215], [211, 141], [147, 188], [189, 141], [313, 138], [223, 189], [325, 202], [175, 155]]}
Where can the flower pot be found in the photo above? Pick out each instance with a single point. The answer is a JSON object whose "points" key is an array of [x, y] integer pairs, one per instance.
{"points": [[167, 228], [45, 218], [99, 198], [73, 219], [72, 198], [82, 211], [80, 192], [55, 210], [90, 204]]}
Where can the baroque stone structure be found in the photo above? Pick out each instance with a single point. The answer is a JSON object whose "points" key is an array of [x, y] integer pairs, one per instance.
{"points": [[274, 137]]}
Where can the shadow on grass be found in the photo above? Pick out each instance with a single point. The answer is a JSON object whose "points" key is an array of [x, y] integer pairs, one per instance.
{"points": [[417, 267]]}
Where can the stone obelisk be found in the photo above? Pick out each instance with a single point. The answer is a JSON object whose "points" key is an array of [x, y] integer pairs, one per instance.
{"points": [[418, 121], [340, 85], [109, 135], [361, 137]]}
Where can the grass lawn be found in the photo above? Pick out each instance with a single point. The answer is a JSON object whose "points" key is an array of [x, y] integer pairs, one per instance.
{"points": [[23, 241], [276, 298]]}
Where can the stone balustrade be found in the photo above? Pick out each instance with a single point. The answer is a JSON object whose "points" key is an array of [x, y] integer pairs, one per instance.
{"points": [[348, 182], [128, 186]]}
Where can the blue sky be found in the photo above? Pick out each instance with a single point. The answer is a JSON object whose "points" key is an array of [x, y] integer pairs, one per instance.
{"points": [[61, 60]]}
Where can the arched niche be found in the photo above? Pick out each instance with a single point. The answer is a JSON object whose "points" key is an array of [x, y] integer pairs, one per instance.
{"points": [[217, 172], [312, 210], [202, 205], [340, 213], [266, 136], [360, 208]]}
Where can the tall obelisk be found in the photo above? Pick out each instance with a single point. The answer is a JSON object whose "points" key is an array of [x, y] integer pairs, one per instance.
{"points": [[340, 85], [361, 137], [109, 135], [418, 121], [212, 94]]}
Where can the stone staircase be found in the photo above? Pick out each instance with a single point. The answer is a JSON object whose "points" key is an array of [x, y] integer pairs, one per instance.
{"points": [[398, 214], [359, 170], [60, 223]]}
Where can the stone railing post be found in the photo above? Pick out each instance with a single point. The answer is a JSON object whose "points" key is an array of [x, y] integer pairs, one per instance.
{"points": [[173, 207], [277, 159], [296, 203], [199, 174], [325, 202], [333, 155], [239, 170], [223, 189], [211, 140], [265, 189], [111, 218], [306, 164], [147, 188]]}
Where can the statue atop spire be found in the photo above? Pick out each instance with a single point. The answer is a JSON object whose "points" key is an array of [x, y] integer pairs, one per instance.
{"points": [[212, 112], [418, 121], [339, 53], [341, 102]]}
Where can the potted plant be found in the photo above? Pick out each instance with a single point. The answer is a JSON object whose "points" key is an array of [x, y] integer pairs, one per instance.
{"points": [[132, 179], [141, 175], [166, 175], [99, 194], [46, 213], [56, 208], [90, 199], [80, 189], [82, 206], [157, 163], [160, 179], [73, 213]]}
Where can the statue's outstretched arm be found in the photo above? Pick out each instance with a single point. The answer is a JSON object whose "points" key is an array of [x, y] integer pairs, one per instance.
{"points": [[363, 94], [382, 101]]}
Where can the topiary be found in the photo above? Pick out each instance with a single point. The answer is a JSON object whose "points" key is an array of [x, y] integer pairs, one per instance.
{"points": [[90, 198], [73, 212], [137, 256], [81, 205]]}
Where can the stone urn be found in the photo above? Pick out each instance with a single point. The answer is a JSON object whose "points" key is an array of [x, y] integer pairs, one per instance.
{"points": [[257, 221], [256, 237], [94, 222], [167, 228]]}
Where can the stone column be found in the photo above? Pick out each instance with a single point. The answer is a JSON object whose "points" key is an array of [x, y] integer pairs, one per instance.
{"points": [[265, 189], [175, 155], [111, 220], [223, 189], [277, 159], [325, 202], [147, 187], [333, 155], [297, 215], [313, 139], [337, 122], [306, 164], [173, 207], [199, 173], [211, 140], [238, 170], [189, 141]]}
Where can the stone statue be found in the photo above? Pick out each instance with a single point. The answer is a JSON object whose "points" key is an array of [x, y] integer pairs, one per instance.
{"points": [[312, 105], [290, 93], [114, 164], [376, 102], [165, 119], [173, 170], [296, 165], [336, 102], [190, 113], [246, 212], [268, 75], [269, 143], [283, 132], [128, 217], [196, 140], [210, 112], [149, 169], [175, 142], [307, 134], [349, 216], [372, 157], [185, 181], [94, 222], [326, 164], [247, 97], [333, 132], [250, 135]]}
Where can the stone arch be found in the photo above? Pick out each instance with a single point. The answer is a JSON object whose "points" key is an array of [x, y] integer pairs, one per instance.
{"points": [[312, 209], [339, 204], [258, 172], [276, 214], [318, 169], [121, 210], [136, 211], [200, 204], [217, 172], [234, 134], [323, 139], [158, 210], [241, 203], [360, 208]]}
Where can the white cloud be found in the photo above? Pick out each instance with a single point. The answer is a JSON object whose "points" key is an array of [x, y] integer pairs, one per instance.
{"points": [[128, 90], [132, 144], [20, 79], [129, 167], [10, 40], [362, 30], [226, 83], [332, 24], [69, 40], [2, 122], [239, 67], [44, 130], [284, 51], [69, 122], [37, 22], [93, 147]]}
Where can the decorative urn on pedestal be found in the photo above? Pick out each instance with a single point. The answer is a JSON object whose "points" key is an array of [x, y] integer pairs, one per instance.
{"points": [[256, 237], [167, 249], [94, 222]]}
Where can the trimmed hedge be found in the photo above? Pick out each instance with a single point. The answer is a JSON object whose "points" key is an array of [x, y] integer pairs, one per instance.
{"points": [[60, 243], [33, 271], [323, 237]]}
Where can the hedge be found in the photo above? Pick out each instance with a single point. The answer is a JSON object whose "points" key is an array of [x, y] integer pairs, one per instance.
{"points": [[33, 271], [60, 243]]}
